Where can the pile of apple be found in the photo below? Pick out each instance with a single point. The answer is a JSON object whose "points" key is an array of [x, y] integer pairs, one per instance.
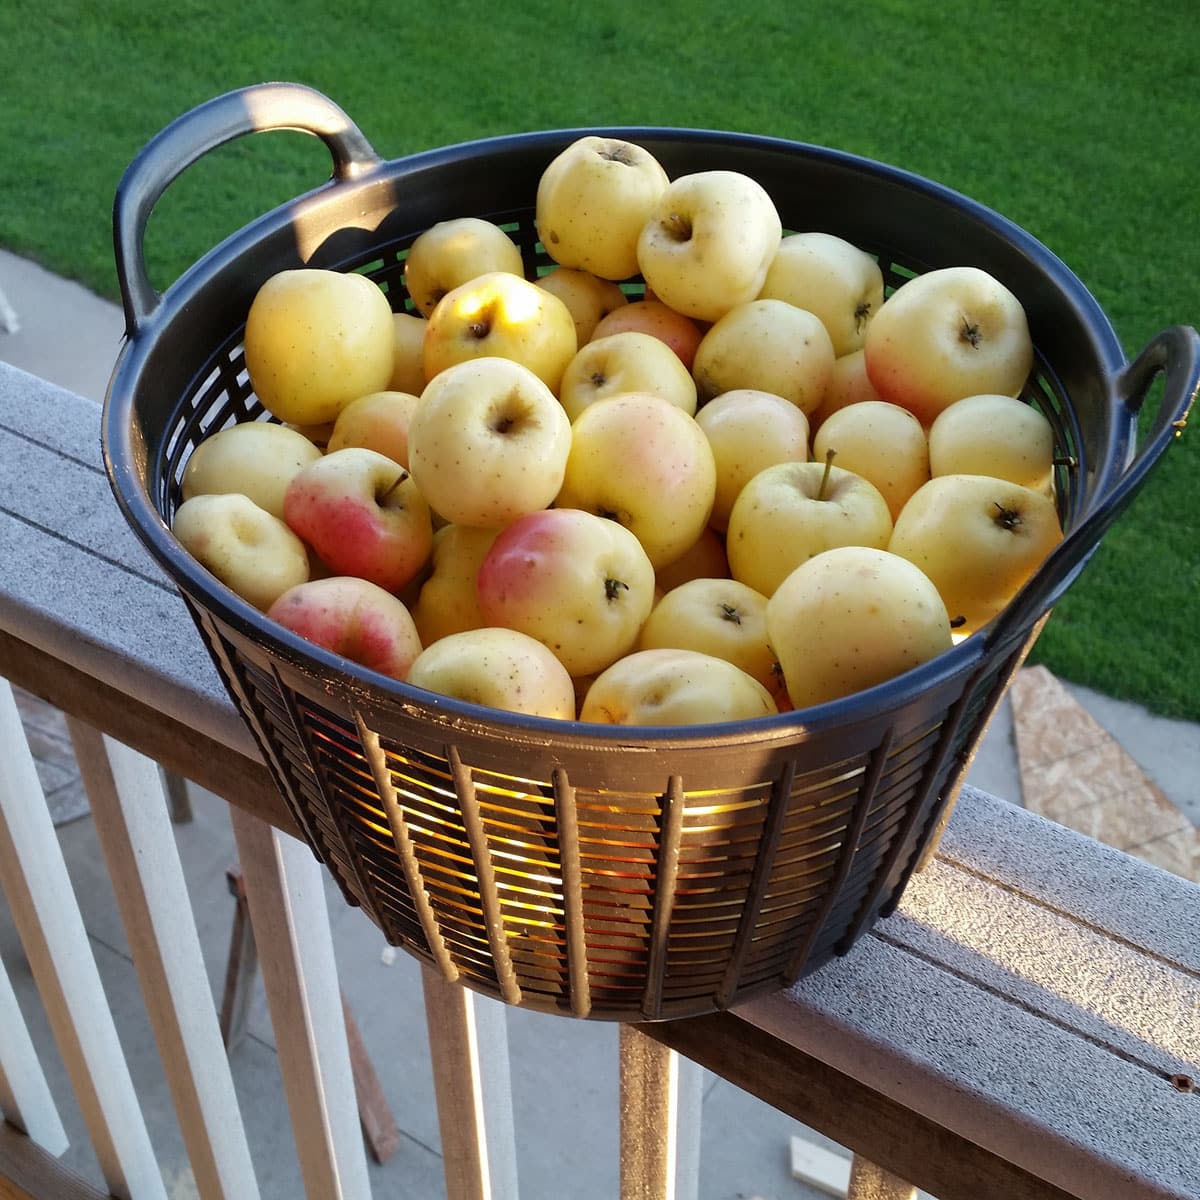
{"points": [[699, 470]]}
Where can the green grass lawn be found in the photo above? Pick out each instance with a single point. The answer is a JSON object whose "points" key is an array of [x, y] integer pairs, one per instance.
{"points": [[1076, 121]]}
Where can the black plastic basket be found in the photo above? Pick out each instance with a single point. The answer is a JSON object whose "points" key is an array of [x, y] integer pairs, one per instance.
{"points": [[616, 873]]}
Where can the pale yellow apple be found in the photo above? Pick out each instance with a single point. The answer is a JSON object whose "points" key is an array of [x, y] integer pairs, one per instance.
{"points": [[770, 346], [257, 458], [681, 333], [625, 362], [748, 431], [994, 435], [881, 442], [448, 602], [704, 559], [314, 340], [501, 315], [645, 463], [592, 201], [708, 242], [979, 539], [674, 687], [498, 668], [250, 551], [721, 617], [831, 278], [793, 511], [848, 384], [850, 618], [379, 421], [408, 350], [949, 333], [589, 298], [453, 252], [488, 442]]}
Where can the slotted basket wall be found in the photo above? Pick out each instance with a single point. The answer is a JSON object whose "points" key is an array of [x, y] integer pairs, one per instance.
{"points": [[622, 874]]}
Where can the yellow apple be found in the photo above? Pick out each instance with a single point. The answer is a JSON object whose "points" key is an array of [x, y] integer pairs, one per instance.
{"points": [[793, 511], [314, 340], [256, 458], [749, 430], [994, 435], [704, 559], [770, 346], [447, 601], [454, 252], [593, 199], [681, 333], [881, 442], [378, 421], [488, 442], [708, 241], [848, 384], [625, 362], [589, 298], [250, 551], [853, 617], [500, 315], [979, 539], [499, 668], [831, 278], [408, 350], [674, 687], [645, 463]]}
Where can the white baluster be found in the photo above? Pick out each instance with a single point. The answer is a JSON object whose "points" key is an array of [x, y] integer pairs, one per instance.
{"points": [[130, 811], [468, 1043], [285, 893], [661, 1093], [52, 932]]}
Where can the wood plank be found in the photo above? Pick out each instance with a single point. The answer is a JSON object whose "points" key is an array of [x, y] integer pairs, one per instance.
{"points": [[27, 1172]]}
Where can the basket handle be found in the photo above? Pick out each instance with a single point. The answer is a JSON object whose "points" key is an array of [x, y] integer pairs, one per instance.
{"points": [[189, 137], [1175, 354]]}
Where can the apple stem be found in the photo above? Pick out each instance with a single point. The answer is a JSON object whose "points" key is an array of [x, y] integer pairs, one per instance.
{"points": [[829, 457], [400, 479], [612, 588], [730, 613], [1007, 518]]}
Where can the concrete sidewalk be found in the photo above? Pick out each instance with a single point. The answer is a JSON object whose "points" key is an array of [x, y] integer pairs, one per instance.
{"points": [[1108, 768]]}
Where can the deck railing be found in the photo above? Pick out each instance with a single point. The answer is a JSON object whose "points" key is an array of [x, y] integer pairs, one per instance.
{"points": [[1026, 1025]]}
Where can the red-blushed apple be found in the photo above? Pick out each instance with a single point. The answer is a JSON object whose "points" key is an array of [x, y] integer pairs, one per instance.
{"points": [[721, 617], [978, 539], [454, 252], [625, 362], [639, 460], [363, 515], [447, 601], [848, 384], [674, 687], [408, 353], [681, 333], [378, 421], [793, 511], [314, 340], [708, 242], [853, 617], [769, 346], [354, 618], [248, 549], [949, 333], [501, 315], [749, 430], [881, 442], [498, 668], [256, 458], [704, 559], [488, 442], [994, 435], [831, 278], [593, 199], [578, 583], [588, 297]]}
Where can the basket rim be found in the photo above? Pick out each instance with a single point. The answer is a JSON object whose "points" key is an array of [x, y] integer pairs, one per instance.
{"points": [[123, 454]]}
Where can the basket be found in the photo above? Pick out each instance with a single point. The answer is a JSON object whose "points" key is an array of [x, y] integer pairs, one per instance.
{"points": [[609, 873]]}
